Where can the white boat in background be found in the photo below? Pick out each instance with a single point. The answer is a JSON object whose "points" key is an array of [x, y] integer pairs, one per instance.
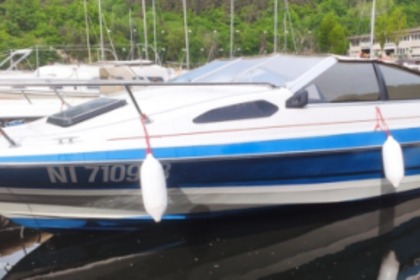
{"points": [[139, 70], [20, 102], [144, 70], [12, 60], [232, 135], [412, 66]]}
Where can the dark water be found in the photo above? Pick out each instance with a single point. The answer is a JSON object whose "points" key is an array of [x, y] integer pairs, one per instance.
{"points": [[345, 241]]}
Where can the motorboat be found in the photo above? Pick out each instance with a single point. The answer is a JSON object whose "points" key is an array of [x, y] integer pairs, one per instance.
{"points": [[231, 136]]}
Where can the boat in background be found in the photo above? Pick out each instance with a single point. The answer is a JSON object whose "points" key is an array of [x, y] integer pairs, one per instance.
{"points": [[140, 70], [22, 103], [13, 59], [233, 135], [412, 66]]}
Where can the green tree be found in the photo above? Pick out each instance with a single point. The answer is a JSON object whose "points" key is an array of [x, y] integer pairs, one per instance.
{"points": [[398, 22], [318, 25], [331, 35], [339, 44], [383, 30], [391, 26]]}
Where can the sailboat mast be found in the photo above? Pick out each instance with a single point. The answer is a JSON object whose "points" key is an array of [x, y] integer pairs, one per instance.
{"points": [[232, 8], [276, 19], [285, 29], [372, 28], [87, 33], [187, 43], [146, 44], [154, 31], [289, 18], [130, 22], [101, 32]]}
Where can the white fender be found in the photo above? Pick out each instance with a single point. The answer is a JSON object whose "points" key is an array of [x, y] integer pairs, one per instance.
{"points": [[153, 187], [393, 161], [389, 267]]}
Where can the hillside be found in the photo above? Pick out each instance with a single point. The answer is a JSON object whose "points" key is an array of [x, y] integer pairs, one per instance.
{"points": [[308, 26]]}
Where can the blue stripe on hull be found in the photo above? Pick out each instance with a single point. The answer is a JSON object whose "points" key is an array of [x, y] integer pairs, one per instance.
{"points": [[132, 223], [52, 224], [253, 171], [281, 146]]}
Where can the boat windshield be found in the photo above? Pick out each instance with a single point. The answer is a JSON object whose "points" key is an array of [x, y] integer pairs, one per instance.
{"points": [[276, 70]]}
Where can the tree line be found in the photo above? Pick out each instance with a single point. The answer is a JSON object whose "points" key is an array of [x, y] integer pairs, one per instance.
{"points": [[58, 28]]}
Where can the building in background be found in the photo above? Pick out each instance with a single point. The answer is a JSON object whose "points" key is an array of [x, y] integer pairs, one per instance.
{"points": [[407, 49]]}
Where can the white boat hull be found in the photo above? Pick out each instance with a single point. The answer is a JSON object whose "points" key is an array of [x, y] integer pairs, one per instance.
{"points": [[223, 148]]}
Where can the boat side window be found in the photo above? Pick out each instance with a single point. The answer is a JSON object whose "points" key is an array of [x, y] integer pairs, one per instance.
{"points": [[314, 94], [345, 82], [241, 111], [400, 84]]}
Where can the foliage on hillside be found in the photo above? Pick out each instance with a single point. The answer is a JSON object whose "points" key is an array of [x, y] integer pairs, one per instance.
{"points": [[311, 26]]}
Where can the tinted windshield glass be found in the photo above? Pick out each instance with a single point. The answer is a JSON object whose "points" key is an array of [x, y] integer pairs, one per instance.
{"points": [[276, 70], [345, 82], [400, 84]]}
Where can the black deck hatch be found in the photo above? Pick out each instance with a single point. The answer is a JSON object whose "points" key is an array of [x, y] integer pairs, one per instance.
{"points": [[85, 111]]}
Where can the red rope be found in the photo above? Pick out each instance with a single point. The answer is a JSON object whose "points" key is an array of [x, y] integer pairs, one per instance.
{"points": [[381, 123], [143, 119]]}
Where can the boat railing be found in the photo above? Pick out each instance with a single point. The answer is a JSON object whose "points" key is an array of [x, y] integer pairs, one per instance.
{"points": [[59, 87], [61, 83], [63, 89], [20, 55]]}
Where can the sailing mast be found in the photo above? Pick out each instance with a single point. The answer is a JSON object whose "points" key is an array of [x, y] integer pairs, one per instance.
{"points": [[288, 23], [276, 18], [232, 2], [154, 31], [146, 44], [187, 43], [285, 28], [372, 28], [130, 23], [101, 32], [87, 33]]}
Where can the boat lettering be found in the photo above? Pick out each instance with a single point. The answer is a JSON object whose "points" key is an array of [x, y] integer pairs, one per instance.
{"points": [[94, 173], [98, 173], [166, 169], [113, 173], [62, 174]]}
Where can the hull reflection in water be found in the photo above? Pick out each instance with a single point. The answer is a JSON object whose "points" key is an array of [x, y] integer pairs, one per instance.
{"points": [[17, 242], [346, 241]]}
